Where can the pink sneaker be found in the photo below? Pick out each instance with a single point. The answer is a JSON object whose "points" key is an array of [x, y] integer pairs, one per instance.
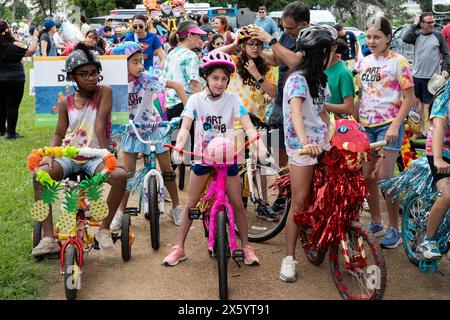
{"points": [[176, 256], [250, 258]]}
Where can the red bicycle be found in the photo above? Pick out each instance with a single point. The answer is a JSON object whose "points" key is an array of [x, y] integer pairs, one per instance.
{"points": [[331, 222]]}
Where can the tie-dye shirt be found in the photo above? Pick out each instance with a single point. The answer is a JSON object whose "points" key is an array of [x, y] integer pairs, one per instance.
{"points": [[440, 110], [140, 95], [81, 129], [214, 118], [382, 81], [182, 65], [316, 129], [250, 92]]}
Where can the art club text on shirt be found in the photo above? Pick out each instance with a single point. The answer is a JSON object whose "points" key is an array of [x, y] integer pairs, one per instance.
{"points": [[214, 122], [371, 75]]}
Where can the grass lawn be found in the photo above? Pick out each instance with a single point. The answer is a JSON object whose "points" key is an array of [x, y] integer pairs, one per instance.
{"points": [[21, 277]]}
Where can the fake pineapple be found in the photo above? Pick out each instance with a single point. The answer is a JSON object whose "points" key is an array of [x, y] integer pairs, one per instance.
{"points": [[67, 219], [41, 208], [94, 189]]}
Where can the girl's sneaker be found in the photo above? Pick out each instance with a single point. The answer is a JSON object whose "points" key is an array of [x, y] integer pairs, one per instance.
{"points": [[176, 256], [429, 249], [116, 224], [287, 272], [392, 239], [376, 229], [250, 258]]}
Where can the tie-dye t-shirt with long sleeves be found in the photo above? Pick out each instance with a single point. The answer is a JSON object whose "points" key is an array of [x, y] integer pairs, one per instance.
{"points": [[316, 129], [140, 96], [440, 109], [382, 81]]}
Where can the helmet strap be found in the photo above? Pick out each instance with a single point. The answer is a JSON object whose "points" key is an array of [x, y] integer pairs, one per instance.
{"points": [[83, 92]]}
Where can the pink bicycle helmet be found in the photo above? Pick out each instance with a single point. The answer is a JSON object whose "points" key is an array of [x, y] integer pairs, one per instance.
{"points": [[216, 59]]}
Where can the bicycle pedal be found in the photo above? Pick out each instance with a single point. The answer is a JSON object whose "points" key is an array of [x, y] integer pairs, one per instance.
{"points": [[194, 213], [132, 211], [428, 265], [238, 256], [96, 245]]}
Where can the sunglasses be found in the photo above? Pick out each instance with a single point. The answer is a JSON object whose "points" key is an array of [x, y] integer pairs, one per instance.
{"points": [[291, 28], [140, 26], [261, 12], [254, 44], [218, 43]]}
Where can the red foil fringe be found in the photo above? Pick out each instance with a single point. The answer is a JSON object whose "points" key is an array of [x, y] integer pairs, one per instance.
{"points": [[335, 199]]}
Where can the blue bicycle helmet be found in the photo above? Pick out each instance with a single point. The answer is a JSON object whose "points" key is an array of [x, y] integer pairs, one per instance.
{"points": [[127, 48]]}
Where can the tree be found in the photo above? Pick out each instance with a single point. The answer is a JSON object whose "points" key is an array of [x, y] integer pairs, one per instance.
{"points": [[425, 5]]}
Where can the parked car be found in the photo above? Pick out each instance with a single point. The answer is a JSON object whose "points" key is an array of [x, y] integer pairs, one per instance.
{"points": [[355, 31], [397, 44]]}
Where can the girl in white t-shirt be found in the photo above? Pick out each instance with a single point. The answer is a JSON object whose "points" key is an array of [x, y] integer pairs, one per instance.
{"points": [[305, 127], [214, 110]]}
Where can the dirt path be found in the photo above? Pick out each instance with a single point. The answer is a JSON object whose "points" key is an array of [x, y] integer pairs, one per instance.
{"points": [[143, 277]]}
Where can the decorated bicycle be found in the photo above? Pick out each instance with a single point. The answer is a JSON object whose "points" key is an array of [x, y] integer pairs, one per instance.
{"points": [[331, 220], [83, 207], [214, 208]]}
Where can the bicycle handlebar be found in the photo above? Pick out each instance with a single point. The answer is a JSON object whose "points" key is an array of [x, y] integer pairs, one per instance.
{"points": [[373, 146], [258, 123], [207, 157], [171, 125]]}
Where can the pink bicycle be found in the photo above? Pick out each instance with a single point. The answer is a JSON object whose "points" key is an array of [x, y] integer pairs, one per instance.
{"points": [[216, 211]]}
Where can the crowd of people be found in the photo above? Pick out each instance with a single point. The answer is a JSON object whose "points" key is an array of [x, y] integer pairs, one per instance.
{"points": [[216, 76]]}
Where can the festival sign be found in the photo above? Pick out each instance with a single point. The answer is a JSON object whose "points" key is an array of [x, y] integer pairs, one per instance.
{"points": [[165, 14], [51, 86]]}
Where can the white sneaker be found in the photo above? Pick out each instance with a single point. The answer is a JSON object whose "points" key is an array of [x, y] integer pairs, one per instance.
{"points": [[175, 215], [366, 205], [104, 240], [45, 246], [116, 224], [287, 272]]}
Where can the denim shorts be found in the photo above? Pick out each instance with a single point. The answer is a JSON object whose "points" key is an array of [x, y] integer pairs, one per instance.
{"points": [[70, 167], [378, 133], [201, 170]]}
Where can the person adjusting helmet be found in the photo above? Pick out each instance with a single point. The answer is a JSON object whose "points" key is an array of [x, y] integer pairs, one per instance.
{"points": [[314, 37], [214, 60], [127, 48]]}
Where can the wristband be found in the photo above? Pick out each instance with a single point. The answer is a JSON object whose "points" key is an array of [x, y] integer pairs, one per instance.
{"points": [[273, 41]]}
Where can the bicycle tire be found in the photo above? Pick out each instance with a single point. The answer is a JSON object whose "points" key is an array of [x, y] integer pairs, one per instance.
{"points": [[125, 237], [343, 280], [413, 231], [70, 274], [221, 255], [260, 230], [316, 257], [153, 212]]}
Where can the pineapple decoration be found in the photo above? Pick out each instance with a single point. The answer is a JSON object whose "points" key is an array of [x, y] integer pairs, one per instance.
{"points": [[67, 219], [41, 208], [94, 188]]}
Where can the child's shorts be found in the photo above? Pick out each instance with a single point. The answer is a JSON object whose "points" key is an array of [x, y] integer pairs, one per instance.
{"points": [[378, 133], [302, 160], [201, 170], [70, 167], [131, 144]]}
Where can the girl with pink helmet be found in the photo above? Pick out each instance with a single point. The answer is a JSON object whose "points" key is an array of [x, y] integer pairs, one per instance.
{"points": [[215, 111]]}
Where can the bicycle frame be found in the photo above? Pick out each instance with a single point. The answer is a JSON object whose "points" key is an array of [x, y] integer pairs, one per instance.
{"points": [[217, 190]]}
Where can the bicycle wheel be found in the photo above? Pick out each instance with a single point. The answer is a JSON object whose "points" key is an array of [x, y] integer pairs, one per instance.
{"points": [[363, 275], [153, 212], [72, 272], [414, 226], [125, 237], [263, 222], [316, 257], [222, 254]]}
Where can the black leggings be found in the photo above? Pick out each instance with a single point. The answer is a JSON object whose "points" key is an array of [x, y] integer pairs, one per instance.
{"points": [[11, 94]]}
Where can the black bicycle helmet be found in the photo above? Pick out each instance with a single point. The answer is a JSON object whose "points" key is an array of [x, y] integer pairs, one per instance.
{"points": [[79, 58], [314, 37]]}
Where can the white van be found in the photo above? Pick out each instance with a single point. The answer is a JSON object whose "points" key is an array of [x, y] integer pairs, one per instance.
{"points": [[316, 17]]}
